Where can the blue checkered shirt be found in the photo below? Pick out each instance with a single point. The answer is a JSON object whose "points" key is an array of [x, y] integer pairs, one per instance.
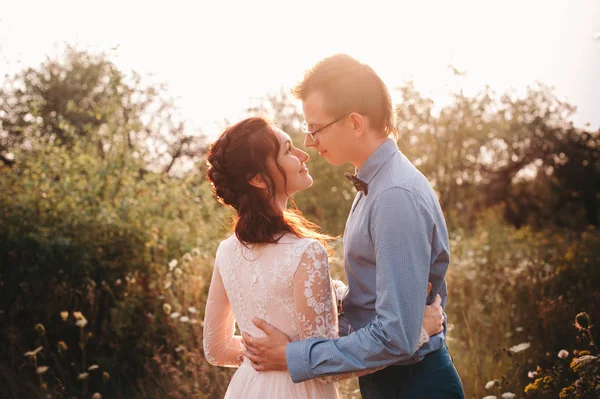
{"points": [[395, 242]]}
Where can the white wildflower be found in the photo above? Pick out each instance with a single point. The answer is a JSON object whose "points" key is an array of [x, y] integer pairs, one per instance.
{"points": [[93, 367], [81, 323], [532, 374], [508, 395], [519, 329], [83, 376], [178, 273], [172, 264], [192, 310], [175, 315], [184, 319], [520, 347], [563, 354], [34, 352], [490, 384], [42, 369]]}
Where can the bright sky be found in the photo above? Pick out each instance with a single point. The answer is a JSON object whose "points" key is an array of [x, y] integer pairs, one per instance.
{"points": [[216, 56]]}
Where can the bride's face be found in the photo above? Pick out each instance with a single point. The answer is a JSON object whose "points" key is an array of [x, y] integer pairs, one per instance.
{"points": [[292, 162]]}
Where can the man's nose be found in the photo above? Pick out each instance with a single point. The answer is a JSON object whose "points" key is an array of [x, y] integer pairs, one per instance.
{"points": [[309, 141]]}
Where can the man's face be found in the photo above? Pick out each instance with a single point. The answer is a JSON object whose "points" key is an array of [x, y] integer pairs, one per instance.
{"points": [[331, 142]]}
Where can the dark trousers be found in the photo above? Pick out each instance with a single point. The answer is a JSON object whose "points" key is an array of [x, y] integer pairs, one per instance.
{"points": [[433, 377]]}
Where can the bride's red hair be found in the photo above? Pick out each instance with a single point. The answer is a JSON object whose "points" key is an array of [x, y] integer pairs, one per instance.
{"points": [[240, 153]]}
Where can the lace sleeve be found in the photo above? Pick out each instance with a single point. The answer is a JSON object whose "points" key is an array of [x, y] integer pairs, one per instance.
{"points": [[315, 302], [221, 346], [313, 295]]}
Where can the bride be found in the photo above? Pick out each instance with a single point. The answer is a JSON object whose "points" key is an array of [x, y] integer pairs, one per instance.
{"points": [[274, 266]]}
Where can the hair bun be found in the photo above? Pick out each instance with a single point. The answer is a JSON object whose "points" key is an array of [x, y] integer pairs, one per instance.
{"points": [[221, 181]]}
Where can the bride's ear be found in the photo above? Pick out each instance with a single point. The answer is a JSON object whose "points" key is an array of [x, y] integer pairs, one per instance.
{"points": [[258, 181]]}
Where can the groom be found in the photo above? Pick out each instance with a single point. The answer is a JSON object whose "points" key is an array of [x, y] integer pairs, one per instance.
{"points": [[395, 242]]}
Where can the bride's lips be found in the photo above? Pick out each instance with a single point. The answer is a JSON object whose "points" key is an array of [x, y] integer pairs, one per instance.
{"points": [[321, 153], [304, 169]]}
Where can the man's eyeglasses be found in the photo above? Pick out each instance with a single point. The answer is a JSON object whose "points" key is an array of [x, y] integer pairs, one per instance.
{"points": [[313, 133]]}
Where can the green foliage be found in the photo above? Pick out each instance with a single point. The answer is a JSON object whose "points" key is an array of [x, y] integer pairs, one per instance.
{"points": [[511, 286]]}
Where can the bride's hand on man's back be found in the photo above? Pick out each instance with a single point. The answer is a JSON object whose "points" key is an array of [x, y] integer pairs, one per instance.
{"points": [[433, 319]]}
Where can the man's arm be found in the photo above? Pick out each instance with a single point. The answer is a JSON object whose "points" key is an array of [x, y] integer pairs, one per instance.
{"points": [[401, 229]]}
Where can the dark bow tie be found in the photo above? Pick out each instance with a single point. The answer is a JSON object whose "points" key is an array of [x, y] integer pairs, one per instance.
{"points": [[358, 184]]}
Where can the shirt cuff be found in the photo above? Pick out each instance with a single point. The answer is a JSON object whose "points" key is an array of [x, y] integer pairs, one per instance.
{"points": [[296, 356]]}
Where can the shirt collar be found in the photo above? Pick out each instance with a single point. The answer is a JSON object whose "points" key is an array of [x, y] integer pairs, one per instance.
{"points": [[376, 160]]}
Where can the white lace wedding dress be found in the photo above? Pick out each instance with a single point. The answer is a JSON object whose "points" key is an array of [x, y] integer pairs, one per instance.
{"points": [[288, 285]]}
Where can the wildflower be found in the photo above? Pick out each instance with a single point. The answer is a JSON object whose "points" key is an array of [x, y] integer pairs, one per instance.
{"points": [[105, 376], [42, 369], [179, 348], [578, 363], [96, 396], [563, 354], [178, 273], [78, 316], [167, 308], [184, 319], [490, 397], [519, 329], [192, 310], [93, 367], [64, 315], [172, 264], [167, 285], [175, 315], [34, 352], [193, 321], [519, 348], [83, 376], [118, 282], [195, 252], [532, 374], [81, 323], [508, 395], [187, 258], [491, 384], [62, 346], [582, 321], [40, 329]]}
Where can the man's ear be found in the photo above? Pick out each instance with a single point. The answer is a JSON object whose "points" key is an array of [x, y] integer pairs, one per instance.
{"points": [[258, 181], [358, 124]]}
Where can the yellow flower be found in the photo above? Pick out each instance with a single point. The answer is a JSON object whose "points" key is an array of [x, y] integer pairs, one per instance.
{"points": [[167, 308], [40, 329], [64, 315], [93, 367], [96, 396], [83, 376], [42, 369], [105, 376], [62, 346]]}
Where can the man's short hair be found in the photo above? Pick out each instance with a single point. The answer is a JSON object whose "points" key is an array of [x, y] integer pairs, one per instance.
{"points": [[350, 86]]}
